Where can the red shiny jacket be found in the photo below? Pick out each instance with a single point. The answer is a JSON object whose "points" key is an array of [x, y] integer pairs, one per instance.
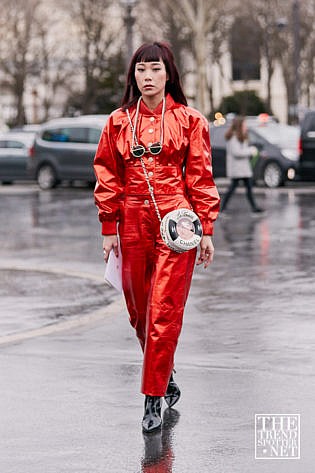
{"points": [[183, 167]]}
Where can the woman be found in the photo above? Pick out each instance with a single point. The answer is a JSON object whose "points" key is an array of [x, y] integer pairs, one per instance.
{"points": [[176, 151], [238, 166]]}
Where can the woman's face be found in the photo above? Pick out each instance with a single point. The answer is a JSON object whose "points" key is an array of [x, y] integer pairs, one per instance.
{"points": [[151, 78]]}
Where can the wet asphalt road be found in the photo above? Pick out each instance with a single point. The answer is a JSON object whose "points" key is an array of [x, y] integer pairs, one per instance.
{"points": [[70, 365]]}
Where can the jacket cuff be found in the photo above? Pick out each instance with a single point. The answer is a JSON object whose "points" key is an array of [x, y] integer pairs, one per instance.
{"points": [[207, 227], [109, 227]]}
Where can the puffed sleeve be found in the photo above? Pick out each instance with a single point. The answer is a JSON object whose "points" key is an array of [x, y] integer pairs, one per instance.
{"points": [[201, 189], [109, 176]]}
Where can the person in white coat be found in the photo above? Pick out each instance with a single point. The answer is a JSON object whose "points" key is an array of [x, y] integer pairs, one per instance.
{"points": [[238, 166]]}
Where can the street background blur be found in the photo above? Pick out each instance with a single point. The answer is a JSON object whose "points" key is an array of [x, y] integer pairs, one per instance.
{"points": [[245, 56], [70, 364]]}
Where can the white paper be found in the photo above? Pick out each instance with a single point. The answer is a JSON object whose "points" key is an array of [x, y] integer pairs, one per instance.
{"points": [[113, 271]]}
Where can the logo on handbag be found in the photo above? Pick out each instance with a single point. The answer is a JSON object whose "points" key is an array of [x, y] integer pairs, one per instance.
{"points": [[181, 230]]}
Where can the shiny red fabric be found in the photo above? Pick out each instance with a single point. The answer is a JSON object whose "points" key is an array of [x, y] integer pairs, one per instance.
{"points": [[156, 280]]}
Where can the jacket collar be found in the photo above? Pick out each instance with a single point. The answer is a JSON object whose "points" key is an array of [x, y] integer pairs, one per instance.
{"points": [[144, 110]]}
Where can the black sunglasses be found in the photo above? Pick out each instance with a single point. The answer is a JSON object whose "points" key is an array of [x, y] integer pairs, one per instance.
{"points": [[138, 150]]}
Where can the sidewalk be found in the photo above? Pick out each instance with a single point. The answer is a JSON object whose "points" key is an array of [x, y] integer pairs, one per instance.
{"points": [[70, 400]]}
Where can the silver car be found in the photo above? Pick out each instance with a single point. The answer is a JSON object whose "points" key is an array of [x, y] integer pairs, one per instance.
{"points": [[64, 150], [15, 150]]}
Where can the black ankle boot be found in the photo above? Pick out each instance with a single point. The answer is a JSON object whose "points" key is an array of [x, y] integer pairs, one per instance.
{"points": [[152, 414], [172, 394]]}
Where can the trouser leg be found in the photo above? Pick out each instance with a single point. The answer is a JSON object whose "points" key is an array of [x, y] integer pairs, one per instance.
{"points": [[170, 286], [137, 245], [156, 282], [137, 272], [233, 185], [249, 192]]}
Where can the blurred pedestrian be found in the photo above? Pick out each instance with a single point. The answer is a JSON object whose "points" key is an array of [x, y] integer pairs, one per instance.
{"points": [[238, 166], [154, 157]]}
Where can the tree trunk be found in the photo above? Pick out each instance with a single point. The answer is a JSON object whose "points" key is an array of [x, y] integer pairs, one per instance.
{"points": [[200, 51], [202, 99], [269, 76], [19, 85], [269, 71]]}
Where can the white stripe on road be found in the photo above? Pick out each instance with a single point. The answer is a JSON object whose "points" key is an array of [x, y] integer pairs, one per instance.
{"points": [[111, 309], [51, 270]]}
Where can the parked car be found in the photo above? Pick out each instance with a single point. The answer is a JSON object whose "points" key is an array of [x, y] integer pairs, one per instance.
{"points": [[307, 147], [64, 149], [278, 151], [15, 149]]}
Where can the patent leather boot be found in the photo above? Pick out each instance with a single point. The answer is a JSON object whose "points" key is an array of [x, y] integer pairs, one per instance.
{"points": [[152, 414], [172, 394]]}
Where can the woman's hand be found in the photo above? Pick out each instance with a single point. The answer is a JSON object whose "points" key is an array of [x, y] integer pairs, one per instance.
{"points": [[206, 251], [110, 242]]}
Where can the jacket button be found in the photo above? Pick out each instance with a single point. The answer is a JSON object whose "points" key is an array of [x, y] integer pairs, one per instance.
{"points": [[150, 174], [150, 159], [150, 130], [146, 202], [152, 119]]}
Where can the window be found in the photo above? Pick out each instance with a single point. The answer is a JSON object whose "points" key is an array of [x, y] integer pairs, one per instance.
{"points": [[76, 135], [245, 50], [67, 135], [311, 122], [217, 136], [55, 135], [255, 139], [94, 135], [280, 135], [15, 144]]}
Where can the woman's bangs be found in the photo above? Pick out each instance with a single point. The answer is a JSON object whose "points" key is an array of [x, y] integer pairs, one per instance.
{"points": [[151, 53]]}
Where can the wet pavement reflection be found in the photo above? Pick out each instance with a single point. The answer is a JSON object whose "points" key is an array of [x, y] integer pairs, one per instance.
{"points": [[158, 447], [50, 257], [70, 401]]}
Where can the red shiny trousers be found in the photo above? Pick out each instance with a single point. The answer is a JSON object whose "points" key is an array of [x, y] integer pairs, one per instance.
{"points": [[156, 282]]}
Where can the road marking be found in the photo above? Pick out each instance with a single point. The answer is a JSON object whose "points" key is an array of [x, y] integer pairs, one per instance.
{"points": [[53, 270], [81, 321]]}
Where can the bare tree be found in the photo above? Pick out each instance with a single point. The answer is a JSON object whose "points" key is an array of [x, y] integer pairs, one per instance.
{"points": [[268, 16], [295, 51], [288, 36], [307, 53], [96, 35], [165, 25], [203, 18], [196, 32], [54, 68], [16, 60]]}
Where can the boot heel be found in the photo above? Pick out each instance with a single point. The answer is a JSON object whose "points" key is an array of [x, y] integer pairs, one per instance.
{"points": [[172, 394], [152, 420]]}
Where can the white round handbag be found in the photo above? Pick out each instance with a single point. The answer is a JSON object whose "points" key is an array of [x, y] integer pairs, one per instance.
{"points": [[181, 230]]}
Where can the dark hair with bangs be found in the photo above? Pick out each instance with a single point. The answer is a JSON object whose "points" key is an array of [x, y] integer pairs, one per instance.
{"points": [[150, 52], [236, 129]]}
